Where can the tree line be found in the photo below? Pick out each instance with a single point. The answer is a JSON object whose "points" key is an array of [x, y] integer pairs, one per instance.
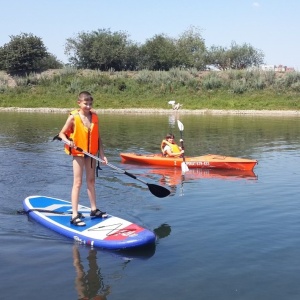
{"points": [[105, 50]]}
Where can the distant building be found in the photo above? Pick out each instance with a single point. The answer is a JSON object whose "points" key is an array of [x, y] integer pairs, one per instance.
{"points": [[268, 67], [212, 68], [279, 68], [290, 70]]}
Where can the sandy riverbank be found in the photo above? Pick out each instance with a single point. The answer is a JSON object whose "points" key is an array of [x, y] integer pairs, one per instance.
{"points": [[161, 111]]}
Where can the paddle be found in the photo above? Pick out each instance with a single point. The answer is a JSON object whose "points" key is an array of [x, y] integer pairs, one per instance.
{"points": [[156, 190], [184, 167], [22, 212]]}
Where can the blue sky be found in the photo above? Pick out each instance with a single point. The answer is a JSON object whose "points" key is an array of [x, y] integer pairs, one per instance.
{"points": [[268, 25]]}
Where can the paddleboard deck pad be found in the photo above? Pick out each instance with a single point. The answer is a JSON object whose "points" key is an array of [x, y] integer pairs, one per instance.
{"points": [[108, 233]]}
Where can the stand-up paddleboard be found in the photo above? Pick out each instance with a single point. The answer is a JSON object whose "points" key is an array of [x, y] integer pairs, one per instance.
{"points": [[109, 233]]}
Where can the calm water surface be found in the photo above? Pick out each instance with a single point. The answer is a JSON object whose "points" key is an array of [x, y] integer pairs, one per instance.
{"points": [[219, 236]]}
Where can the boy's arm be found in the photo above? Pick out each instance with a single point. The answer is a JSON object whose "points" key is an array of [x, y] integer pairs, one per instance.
{"points": [[66, 128], [101, 151]]}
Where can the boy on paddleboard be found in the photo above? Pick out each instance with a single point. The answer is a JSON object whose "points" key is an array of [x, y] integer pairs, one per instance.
{"points": [[82, 130]]}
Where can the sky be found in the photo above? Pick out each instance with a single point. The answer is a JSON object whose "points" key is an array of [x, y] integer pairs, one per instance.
{"points": [[271, 26]]}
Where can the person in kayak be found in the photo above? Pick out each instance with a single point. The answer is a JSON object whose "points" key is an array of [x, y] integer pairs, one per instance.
{"points": [[82, 130], [169, 148]]}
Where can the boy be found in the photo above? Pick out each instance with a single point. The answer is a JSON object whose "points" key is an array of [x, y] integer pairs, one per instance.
{"points": [[82, 129], [169, 148]]}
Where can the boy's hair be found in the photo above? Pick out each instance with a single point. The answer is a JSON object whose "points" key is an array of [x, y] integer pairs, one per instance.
{"points": [[170, 136], [84, 95]]}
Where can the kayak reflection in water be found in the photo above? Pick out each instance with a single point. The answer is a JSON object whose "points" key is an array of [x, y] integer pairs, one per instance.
{"points": [[89, 285], [167, 180]]}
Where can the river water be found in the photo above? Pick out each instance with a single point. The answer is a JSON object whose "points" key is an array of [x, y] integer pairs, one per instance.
{"points": [[219, 235]]}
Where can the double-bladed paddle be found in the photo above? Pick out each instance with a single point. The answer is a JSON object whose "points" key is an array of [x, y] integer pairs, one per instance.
{"points": [[156, 190], [184, 167]]}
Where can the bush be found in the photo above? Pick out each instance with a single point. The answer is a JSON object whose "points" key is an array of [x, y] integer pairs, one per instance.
{"points": [[211, 82], [238, 86]]}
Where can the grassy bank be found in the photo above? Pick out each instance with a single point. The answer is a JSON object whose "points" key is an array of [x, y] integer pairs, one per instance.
{"points": [[228, 90]]}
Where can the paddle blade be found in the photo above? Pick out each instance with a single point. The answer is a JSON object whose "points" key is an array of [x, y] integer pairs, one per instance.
{"points": [[180, 125], [184, 168], [158, 191]]}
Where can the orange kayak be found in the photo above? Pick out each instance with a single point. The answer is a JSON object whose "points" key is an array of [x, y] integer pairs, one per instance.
{"points": [[208, 161]]}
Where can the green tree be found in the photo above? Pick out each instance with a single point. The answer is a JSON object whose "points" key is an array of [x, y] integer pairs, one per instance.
{"points": [[101, 49], [236, 57], [51, 62], [158, 53], [242, 57], [191, 49], [219, 57], [23, 54], [132, 56]]}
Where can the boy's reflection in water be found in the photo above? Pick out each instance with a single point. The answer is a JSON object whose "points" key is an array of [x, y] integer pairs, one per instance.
{"points": [[89, 285]]}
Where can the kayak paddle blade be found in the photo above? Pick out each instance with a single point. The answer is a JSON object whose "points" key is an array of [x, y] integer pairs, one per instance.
{"points": [[158, 191], [184, 168], [180, 125]]}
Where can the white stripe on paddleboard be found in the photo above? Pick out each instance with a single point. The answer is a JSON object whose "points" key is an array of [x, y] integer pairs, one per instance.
{"points": [[105, 228]]}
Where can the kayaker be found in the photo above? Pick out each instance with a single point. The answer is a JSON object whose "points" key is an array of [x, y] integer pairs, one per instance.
{"points": [[82, 129], [169, 148]]}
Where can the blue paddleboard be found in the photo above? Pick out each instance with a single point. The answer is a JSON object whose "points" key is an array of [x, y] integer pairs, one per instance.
{"points": [[108, 233]]}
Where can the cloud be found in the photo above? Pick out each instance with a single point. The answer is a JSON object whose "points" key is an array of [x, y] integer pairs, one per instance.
{"points": [[255, 4]]}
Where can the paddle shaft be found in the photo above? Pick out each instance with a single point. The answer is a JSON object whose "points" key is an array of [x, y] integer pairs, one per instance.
{"points": [[182, 146], [156, 190], [22, 212], [102, 161], [184, 167]]}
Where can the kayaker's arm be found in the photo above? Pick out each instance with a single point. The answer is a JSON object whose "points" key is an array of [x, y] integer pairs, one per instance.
{"points": [[171, 154]]}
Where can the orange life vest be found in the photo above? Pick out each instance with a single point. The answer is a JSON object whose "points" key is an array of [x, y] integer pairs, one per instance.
{"points": [[174, 147], [83, 137]]}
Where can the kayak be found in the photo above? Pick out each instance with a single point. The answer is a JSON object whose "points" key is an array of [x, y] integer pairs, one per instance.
{"points": [[208, 161]]}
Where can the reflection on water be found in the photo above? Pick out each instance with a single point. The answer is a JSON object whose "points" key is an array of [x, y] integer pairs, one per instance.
{"points": [[89, 283], [173, 178]]}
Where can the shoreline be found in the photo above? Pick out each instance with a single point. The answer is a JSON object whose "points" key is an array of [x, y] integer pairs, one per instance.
{"points": [[159, 111]]}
